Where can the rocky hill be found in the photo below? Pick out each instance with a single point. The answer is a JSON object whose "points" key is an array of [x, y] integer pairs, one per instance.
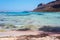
{"points": [[53, 6]]}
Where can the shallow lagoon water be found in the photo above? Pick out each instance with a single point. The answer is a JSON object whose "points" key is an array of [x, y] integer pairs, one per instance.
{"points": [[32, 18]]}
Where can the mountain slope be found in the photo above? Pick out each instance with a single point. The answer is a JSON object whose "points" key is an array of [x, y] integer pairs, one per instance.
{"points": [[53, 6]]}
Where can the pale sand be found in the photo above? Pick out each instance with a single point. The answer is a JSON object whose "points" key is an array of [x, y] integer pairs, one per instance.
{"points": [[13, 38], [14, 35], [18, 33], [11, 35]]}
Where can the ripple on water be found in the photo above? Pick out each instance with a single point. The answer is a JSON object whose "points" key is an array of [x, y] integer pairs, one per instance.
{"points": [[36, 18]]}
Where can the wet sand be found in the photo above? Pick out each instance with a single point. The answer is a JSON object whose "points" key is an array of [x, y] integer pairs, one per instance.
{"points": [[30, 35], [18, 33]]}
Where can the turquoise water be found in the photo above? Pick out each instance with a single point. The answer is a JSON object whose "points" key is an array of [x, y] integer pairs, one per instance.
{"points": [[31, 18]]}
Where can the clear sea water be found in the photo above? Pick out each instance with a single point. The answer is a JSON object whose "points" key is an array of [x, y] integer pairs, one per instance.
{"points": [[30, 18]]}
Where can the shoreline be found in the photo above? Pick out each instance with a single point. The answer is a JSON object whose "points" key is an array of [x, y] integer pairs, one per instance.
{"points": [[21, 33], [30, 35]]}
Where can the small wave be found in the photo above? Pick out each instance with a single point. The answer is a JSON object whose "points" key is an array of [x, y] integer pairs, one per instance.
{"points": [[31, 18]]}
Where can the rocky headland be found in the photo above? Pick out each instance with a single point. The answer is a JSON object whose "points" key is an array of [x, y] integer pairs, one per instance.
{"points": [[53, 6]]}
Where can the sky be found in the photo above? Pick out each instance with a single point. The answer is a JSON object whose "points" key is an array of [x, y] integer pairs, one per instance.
{"points": [[20, 5]]}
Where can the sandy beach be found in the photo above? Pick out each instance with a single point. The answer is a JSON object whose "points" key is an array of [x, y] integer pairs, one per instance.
{"points": [[28, 35], [18, 33]]}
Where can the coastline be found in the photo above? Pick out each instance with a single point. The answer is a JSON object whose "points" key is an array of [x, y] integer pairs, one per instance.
{"points": [[30, 24]]}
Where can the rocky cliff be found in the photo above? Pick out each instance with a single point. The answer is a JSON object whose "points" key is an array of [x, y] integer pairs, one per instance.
{"points": [[53, 6]]}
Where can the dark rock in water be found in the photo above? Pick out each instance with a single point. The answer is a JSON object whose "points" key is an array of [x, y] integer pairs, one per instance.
{"points": [[23, 29], [53, 6], [40, 14], [2, 20], [50, 29], [25, 12]]}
